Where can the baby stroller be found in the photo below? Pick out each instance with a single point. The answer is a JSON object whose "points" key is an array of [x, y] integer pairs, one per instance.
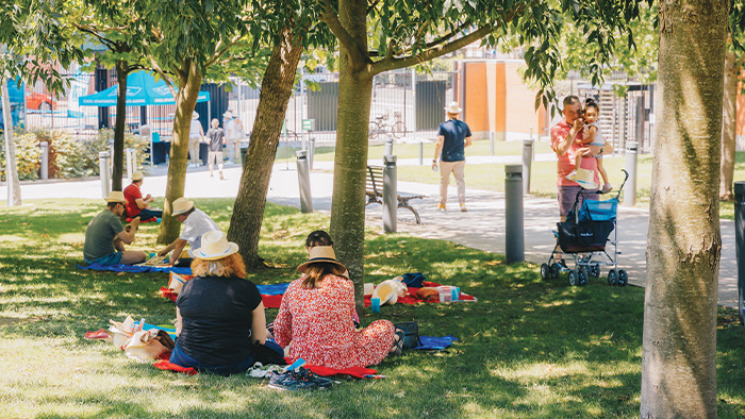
{"points": [[584, 236]]}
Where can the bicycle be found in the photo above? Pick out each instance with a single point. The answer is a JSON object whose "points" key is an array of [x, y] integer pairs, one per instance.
{"points": [[380, 126]]}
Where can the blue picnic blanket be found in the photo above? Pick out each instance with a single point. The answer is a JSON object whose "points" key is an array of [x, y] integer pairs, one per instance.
{"points": [[273, 289], [135, 268], [430, 343]]}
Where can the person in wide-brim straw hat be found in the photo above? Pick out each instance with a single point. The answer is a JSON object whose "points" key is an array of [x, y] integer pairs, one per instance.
{"points": [[316, 317], [196, 223], [220, 320], [138, 205], [105, 236]]}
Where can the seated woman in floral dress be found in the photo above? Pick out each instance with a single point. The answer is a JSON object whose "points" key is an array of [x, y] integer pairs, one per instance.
{"points": [[316, 315]]}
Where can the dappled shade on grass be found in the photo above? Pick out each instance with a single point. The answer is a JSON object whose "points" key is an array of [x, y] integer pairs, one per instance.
{"points": [[528, 348]]}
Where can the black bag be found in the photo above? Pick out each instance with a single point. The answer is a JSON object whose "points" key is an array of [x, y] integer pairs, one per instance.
{"points": [[411, 334], [585, 236]]}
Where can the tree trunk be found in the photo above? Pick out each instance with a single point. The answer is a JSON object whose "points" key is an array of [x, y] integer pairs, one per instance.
{"points": [[729, 125], [276, 89], [11, 168], [190, 81], [121, 119], [684, 242], [350, 162]]}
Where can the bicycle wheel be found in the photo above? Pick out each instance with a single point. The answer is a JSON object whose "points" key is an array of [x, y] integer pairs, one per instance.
{"points": [[374, 130], [398, 130]]}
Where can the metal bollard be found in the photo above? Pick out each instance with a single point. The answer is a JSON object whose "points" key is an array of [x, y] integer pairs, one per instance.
{"points": [[390, 194], [388, 147], [527, 163], [104, 167], [303, 178], [421, 153], [513, 198], [629, 197], [131, 162], [311, 151], [44, 160], [740, 246]]}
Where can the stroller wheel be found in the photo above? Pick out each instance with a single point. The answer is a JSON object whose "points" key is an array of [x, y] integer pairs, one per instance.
{"points": [[595, 270], [545, 272], [612, 277], [582, 277], [623, 278], [573, 279], [555, 269]]}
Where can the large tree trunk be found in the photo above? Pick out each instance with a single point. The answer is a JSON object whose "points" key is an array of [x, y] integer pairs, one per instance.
{"points": [[121, 119], [11, 168], [683, 245], [190, 81], [276, 89], [729, 125], [350, 162]]}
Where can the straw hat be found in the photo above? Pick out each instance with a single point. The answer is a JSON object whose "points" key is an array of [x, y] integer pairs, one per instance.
{"points": [[228, 115], [453, 107], [116, 196], [320, 254], [181, 206], [194, 115], [215, 245], [586, 178], [137, 176]]}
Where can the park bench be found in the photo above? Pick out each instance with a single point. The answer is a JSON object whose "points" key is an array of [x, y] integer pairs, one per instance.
{"points": [[374, 191]]}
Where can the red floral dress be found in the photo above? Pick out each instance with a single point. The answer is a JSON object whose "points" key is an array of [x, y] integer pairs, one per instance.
{"points": [[319, 323]]}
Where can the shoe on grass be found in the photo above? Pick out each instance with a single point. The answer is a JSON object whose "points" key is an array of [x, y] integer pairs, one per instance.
{"points": [[563, 265]]}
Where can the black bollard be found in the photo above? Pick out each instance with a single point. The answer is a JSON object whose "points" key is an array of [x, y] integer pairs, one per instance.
{"points": [[740, 246], [629, 197], [513, 200]]}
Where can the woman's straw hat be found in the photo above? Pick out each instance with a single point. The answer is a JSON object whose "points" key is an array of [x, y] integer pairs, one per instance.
{"points": [[194, 115], [586, 178], [116, 196], [215, 245], [453, 108], [138, 176], [320, 254], [181, 206]]}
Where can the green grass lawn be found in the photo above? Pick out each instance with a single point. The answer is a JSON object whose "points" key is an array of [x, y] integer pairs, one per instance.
{"points": [[528, 348]]}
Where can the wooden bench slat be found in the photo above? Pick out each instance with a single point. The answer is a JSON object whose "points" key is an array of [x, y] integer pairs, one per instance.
{"points": [[374, 191]]}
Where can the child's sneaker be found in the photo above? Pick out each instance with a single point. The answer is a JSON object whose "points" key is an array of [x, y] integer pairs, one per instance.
{"points": [[607, 188], [441, 207], [572, 176]]}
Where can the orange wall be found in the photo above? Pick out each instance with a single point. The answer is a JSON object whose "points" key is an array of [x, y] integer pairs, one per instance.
{"points": [[740, 110], [513, 110]]}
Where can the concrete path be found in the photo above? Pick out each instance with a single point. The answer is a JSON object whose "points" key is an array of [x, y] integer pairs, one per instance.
{"points": [[482, 227]]}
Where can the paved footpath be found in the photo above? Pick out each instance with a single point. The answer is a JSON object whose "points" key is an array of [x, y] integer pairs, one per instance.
{"points": [[482, 227]]}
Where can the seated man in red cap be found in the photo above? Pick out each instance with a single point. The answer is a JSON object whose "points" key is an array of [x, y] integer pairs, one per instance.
{"points": [[137, 206], [105, 236]]}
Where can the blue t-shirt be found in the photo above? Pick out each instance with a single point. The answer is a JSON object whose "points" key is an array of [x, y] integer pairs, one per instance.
{"points": [[455, 132]]}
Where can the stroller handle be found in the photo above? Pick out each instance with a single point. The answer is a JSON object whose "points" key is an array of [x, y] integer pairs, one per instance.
{"points": [[626, 177]]}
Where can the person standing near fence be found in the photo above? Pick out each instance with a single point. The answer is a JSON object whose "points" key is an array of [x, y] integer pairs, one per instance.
{"points": [[452, 139], [217, 140], [196, 136], [230, 134]]}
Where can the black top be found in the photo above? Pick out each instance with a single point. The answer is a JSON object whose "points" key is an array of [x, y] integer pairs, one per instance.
{"points": [[216, 136], [216, 315]]}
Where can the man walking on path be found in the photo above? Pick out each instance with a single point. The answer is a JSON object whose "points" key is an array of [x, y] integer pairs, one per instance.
{"points": [[217, 139], [105, 237], [452, 138], [563, 136]]}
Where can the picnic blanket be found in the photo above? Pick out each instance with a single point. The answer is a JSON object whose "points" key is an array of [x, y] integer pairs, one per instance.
{"points": [[434, 343], [411, 297], [357, 372], [135, 268], [271, 295]]}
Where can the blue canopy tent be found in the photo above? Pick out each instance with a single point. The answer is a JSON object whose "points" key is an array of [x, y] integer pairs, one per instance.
{"points": [[142, 90]]}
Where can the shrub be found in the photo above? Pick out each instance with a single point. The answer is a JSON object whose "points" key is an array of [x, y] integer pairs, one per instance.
{"points": [[28, 155], [91, 149]]}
